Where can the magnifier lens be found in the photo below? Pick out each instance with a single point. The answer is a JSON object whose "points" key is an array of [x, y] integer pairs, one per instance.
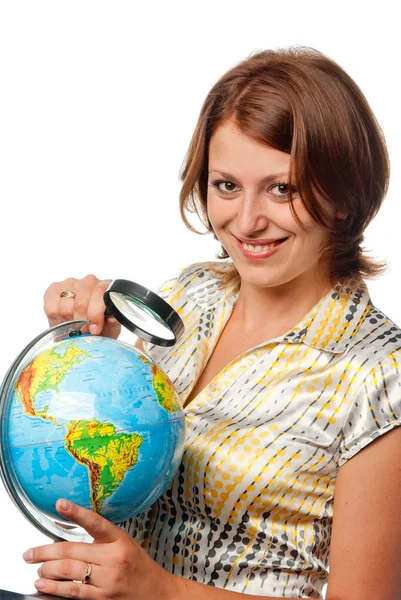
{"points": [[140, 315], [143, 312]]}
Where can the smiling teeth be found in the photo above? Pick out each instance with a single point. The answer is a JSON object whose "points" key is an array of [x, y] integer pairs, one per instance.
{"points": [[258, 249]]}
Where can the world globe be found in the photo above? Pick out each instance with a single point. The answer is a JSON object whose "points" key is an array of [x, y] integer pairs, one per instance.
{"points": [[93, 420]]}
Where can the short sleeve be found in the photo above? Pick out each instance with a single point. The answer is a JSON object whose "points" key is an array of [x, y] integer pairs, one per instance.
{"points": [[376, 408]]}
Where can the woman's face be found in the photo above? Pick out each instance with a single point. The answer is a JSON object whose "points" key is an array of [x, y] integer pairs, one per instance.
{"points": [[249, 210]]}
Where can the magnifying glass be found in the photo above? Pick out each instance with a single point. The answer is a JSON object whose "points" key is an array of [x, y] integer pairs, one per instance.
{"points": [[143, 312]]}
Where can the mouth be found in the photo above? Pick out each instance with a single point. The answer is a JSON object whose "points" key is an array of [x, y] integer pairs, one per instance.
{"points": [[260, 248]]}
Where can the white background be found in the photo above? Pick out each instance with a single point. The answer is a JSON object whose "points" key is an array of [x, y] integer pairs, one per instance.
{"points": [[98, 101]]}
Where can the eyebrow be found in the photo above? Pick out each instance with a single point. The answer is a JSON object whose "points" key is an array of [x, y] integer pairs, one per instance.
{"points": [[267, 179]]}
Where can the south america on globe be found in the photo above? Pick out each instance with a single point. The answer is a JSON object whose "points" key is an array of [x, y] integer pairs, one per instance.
{"points": [[96, 421]]}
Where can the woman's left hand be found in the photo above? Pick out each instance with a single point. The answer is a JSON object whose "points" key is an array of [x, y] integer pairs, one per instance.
{"points": [[119, 567]]}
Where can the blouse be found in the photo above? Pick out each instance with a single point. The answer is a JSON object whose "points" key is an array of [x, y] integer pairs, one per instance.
{"points": [[250, 509]]}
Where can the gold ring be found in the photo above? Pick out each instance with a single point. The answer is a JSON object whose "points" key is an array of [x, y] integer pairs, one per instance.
{"points": [[88, 573], [68, 294]]}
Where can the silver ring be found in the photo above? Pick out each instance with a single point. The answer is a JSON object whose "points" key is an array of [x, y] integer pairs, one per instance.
{"points": [[88, 573], [68, 294]]}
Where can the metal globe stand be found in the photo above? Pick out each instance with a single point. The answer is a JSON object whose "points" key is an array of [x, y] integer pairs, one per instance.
{"points": [[43, 523]]}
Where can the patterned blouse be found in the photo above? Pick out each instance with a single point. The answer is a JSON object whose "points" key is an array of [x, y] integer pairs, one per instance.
{"points": [[250, 509]]}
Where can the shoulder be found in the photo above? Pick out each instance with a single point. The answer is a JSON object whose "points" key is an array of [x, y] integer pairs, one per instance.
{"points": [[375, 339], [374, 372], [189, 292], [196, 272], [377, 322], [193, 282], [374, 355]]}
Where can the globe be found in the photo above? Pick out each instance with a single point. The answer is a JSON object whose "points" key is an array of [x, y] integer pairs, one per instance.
{"points": [[93, 420]]}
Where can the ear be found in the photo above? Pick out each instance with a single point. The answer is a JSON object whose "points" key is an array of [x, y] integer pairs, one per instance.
{"points": [[341, 215]]}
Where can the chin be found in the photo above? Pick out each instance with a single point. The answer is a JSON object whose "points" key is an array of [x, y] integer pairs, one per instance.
{"points": [[261, 280]]}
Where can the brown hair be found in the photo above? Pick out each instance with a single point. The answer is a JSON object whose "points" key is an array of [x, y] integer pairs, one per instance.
{"points": [[299, 101]]}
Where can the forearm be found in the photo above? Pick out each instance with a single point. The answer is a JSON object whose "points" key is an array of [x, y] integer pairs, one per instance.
{"points": [[194, 590]]}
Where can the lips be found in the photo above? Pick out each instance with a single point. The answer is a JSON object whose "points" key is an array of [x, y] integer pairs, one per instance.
{"points": [[259, 249]]}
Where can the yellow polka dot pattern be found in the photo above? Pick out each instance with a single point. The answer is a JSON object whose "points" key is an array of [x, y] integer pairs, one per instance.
{"points": [[251, 507]]}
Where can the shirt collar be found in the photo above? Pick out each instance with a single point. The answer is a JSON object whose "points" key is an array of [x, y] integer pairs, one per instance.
{"points": [[334, 321], [330, 325]]}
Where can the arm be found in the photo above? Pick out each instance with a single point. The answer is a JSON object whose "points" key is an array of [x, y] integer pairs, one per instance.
{"points": [[119, 567], [366, 540]]}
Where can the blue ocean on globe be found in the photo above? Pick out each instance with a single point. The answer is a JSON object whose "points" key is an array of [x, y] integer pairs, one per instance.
{"points": [[96, 421]]}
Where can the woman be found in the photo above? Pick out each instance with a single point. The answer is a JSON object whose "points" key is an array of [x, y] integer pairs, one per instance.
{"points": [[287, 371]]}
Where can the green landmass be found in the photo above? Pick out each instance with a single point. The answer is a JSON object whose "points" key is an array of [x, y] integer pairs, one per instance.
{"points": [[107, 455]]}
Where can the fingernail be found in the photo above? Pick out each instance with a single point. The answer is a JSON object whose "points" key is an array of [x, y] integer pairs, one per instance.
{"points": [[64, 505], [28, 556], [40, 584], [93, 329], [38, 572]]}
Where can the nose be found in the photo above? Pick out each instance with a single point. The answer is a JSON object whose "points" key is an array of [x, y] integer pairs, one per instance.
{"points": [[252, 214]]}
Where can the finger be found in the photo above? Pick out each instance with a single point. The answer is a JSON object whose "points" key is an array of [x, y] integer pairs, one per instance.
{"points": [[111, 328], [98, 527], [66, 309], [97, 307], [52, 300], [69, 570], [70, 551], [83, 291], [67, 589]]}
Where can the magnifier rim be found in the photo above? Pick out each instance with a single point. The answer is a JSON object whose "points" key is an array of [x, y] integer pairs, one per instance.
{"points": [[162, 309]]}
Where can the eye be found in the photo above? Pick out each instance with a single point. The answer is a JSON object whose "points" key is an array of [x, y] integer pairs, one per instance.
{"points": [[283, 191], [223, 186]]}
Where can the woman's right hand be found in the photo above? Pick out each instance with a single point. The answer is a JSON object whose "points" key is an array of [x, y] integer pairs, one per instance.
{"points": [[87, 304]]}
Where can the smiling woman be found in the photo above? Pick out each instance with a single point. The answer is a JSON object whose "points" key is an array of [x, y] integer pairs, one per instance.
{"points": [[289, 374], [333, 153]]}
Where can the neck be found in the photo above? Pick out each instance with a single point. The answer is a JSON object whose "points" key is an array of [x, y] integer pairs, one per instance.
{"points": [[277, 309]]}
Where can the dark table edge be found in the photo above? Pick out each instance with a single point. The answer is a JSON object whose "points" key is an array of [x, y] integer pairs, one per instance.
{"points": [[6, 595]]}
